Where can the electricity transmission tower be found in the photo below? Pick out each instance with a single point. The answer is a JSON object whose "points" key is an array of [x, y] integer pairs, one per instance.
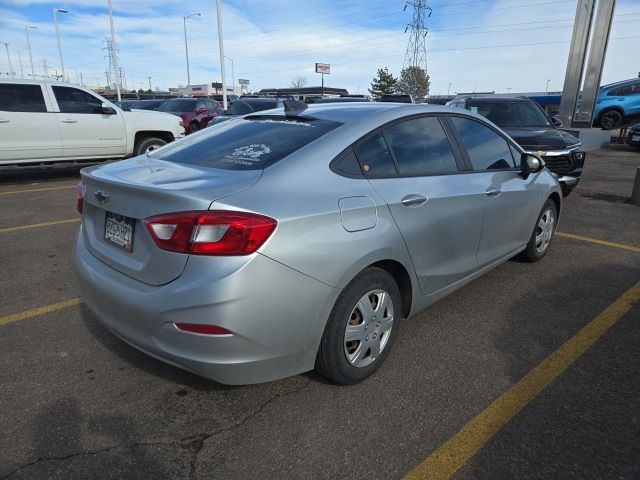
{"points": [[416, 55]]}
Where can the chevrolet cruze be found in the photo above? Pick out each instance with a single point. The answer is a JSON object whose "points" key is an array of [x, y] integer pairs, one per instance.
{"points": [[300, 238]]}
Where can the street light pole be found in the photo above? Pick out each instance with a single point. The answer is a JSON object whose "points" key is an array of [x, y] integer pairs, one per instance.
{"points": [[547, 89], [114, 57], [233, 77], [20, 62], [6, 46], [449, 89], [33, 71], [221, 43], [186, 48], [55, 20]]}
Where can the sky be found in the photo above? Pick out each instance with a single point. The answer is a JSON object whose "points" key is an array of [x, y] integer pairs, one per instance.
{"points": [[481, 45]]}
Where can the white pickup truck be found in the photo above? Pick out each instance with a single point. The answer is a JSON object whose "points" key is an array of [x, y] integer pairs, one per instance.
{"points": [[43, 121]]}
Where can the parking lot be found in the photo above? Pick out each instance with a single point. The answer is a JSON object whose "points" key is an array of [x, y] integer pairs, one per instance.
{"points": [[491, 378]]}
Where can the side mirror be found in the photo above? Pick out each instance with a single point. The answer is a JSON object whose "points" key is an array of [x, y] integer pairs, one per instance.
{"points": [[107, 110], [530, 163], [556, 121], [201, 110]]}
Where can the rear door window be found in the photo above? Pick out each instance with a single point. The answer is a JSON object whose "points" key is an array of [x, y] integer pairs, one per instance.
{"points": [[251, 143], [374, 157], [421, 147], [487, 150], [21, 98]]}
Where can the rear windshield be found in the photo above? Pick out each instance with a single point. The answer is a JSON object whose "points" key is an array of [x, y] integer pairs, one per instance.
{"points": [[247, 143], [177, 106], [242, 107]]}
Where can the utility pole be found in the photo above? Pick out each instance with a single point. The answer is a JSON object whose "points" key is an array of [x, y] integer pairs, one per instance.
{"points": [[547, 87], [416, 54], [449, 89], [149, 83], [45, 68], [6, 46], [97, 82], [55, 20], [113, 51], [81, 80], [33, 71], [221, 43]]}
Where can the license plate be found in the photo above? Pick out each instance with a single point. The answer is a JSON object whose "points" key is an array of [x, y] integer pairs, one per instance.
{"points": [[635, 138], [118, 230]]}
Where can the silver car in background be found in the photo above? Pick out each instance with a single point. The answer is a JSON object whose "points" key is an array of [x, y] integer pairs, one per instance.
{"points": [[283, 241]]}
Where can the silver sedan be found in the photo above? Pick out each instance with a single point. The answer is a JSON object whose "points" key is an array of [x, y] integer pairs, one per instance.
{"points": [[287, 240]]}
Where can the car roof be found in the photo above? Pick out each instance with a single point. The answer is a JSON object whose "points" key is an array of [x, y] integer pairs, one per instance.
{"points": [[621, 83], [494, 98], [353, 112]]}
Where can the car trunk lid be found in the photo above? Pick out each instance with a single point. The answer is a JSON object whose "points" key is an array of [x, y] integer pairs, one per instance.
{"points": [[119, 196]]}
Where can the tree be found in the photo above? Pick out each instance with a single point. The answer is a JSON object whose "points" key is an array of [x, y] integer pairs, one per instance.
{"points": [[415, 82], [299, 82], [383, 83]]}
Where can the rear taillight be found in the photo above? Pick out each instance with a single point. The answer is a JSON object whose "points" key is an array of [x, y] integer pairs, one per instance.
{"points": [[80, 191], [215, 232]]}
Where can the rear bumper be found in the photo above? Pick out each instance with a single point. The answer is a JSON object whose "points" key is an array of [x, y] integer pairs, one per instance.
{"points": [[277, 315]]}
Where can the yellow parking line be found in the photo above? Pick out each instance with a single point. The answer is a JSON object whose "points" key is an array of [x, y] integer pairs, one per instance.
{"points": [[38, 225], [622, 246], [16, 317], [31, 190], [455, 452]]}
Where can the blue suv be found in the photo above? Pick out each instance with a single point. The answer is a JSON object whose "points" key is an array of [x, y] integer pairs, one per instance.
{"points": [[617, 104]]}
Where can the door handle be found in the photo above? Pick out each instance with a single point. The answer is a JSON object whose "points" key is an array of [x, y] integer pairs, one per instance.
{"points": [[492, 192], [69, 120], [4, 120], [413, 200]]}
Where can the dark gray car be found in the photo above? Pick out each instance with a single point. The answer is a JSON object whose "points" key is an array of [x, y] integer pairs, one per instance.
{"points": [[284, 241]]}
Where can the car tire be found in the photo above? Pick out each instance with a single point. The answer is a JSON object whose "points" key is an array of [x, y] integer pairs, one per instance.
{"points": [[542, 234], [193, 127], [610, 119], [147, 144], [361, 329]]}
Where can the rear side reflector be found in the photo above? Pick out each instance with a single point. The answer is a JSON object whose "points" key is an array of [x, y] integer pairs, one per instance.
{"points": [[214, 232], [80, 191], [203, 329]]}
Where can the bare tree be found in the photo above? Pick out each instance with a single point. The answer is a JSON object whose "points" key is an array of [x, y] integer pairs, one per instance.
{"points": [[299, 82]]}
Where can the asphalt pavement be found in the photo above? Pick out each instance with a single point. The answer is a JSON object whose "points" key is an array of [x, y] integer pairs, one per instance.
{"points": [[79, 403]]}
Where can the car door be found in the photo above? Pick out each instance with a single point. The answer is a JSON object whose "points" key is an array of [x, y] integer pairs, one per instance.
{"points": [[85, 130], [509, 199], [28, 132], [439, 212]]}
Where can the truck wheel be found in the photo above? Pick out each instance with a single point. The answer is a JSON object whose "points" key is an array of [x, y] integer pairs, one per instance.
{"points": [[145, 145], [610, 119]]}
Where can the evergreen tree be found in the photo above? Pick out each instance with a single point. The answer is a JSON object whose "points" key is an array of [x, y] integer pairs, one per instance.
{"points": [[415, 82], [383, 83]]}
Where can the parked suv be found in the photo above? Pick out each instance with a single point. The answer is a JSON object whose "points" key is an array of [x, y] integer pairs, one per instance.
{"points": [[196, 113], [527, 124], [43, 121], [617, 104]]}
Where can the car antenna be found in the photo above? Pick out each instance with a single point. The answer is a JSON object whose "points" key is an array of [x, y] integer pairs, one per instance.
{"points": [[293, 108]]}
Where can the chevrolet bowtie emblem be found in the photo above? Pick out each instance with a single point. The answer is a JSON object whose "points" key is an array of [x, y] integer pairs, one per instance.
{"points": [[101, 196]]}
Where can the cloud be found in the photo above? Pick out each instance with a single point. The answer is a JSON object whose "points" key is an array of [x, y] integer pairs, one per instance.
{"points": [[491, 45]]}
